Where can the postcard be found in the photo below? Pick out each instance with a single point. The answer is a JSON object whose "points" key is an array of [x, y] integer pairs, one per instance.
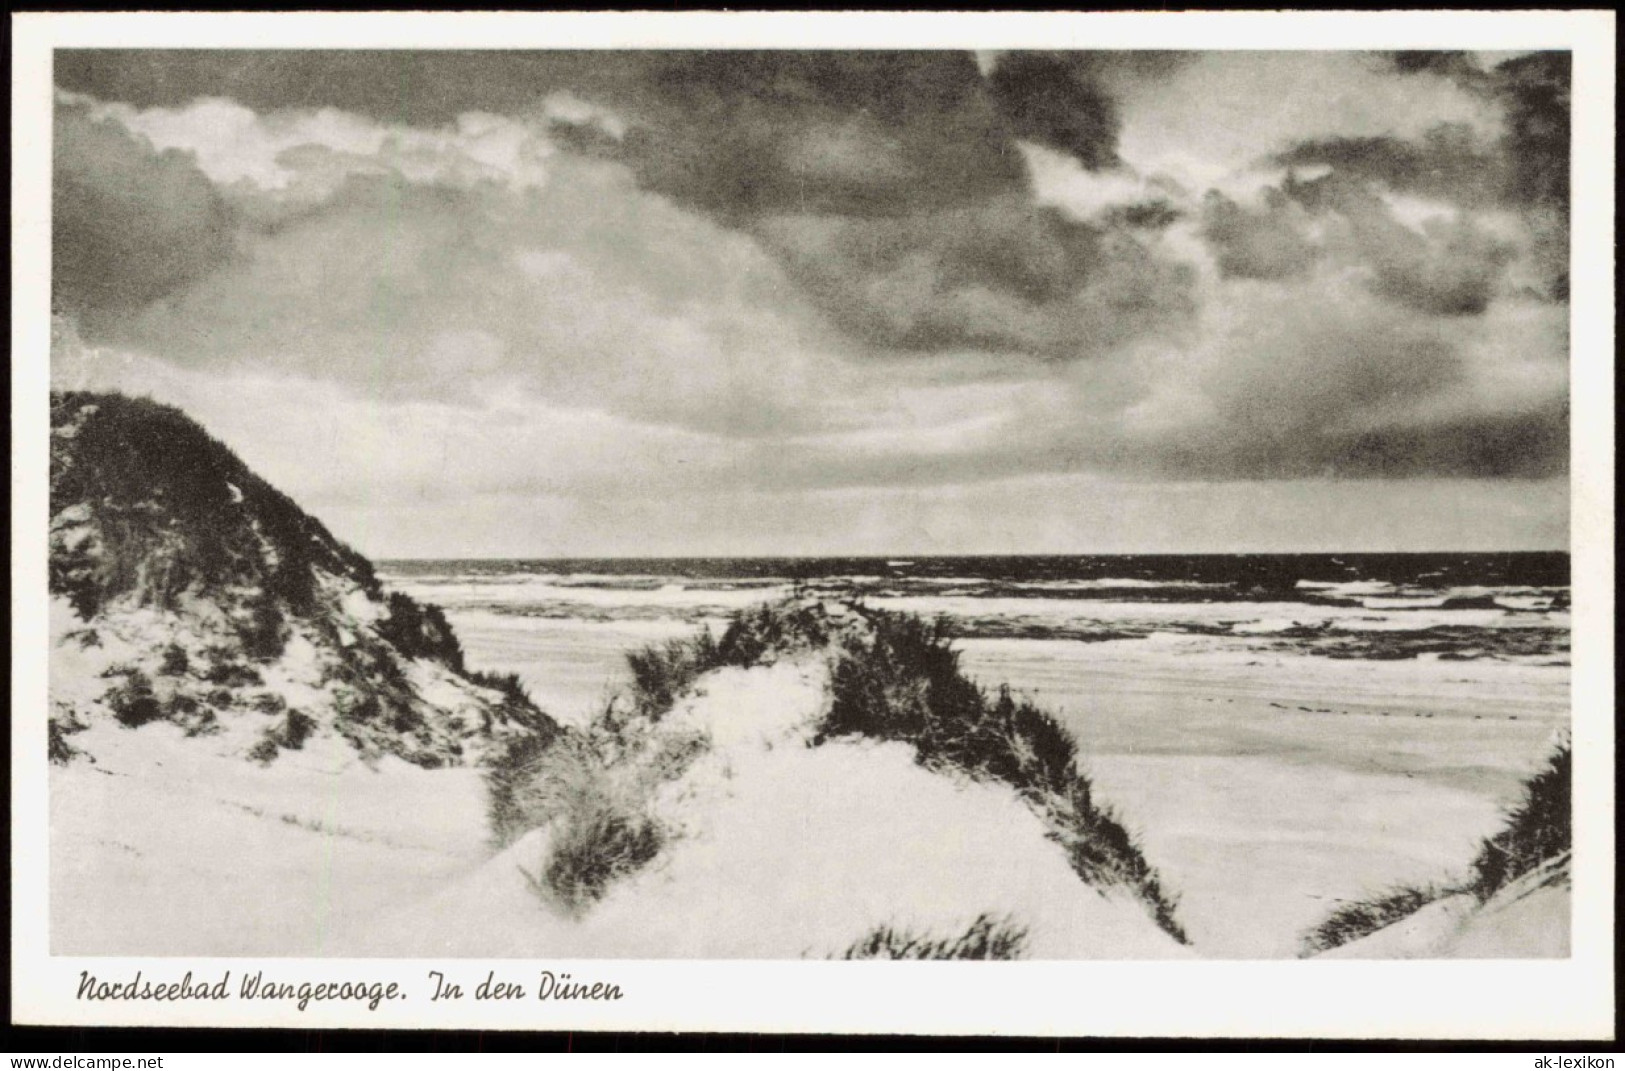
{"points": [[644, 522]]}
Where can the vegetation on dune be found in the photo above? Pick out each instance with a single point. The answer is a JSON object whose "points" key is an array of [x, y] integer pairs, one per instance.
{"points": [[661, 673], [57, 730], [986, 938], [150, 510], [593, 785], [1357, 918], [175, 661], [420, 630], [1540, 827], [593, 788], [508, 684], [290, 734], [152, 506], [521, 788], [599, 778], [894, 677], [132, 700], [141, 467], [1539, 830], [904, 683], [601, 841]]}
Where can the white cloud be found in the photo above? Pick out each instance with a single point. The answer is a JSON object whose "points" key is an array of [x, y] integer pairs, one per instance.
{"points": [[1224, 111], [274, 151]]}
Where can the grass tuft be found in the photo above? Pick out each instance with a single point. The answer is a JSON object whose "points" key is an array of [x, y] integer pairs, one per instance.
{"points": [[132, 701], [1539, 829], [1358, 918], [175, 661], [508, 684], [592, 787], [662, 672], [420, 630], [58, 750], [599, 844], [290, 734], [905, 683], [986, 938]]}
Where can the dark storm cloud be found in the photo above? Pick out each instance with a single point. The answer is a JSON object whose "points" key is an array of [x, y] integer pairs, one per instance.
{"points": [[1528, 166], [1531, 445], [679, 263], [1535, 91], [1444, 269], [1067, 100], [1053, 99], [734, 133], [1446, 163], [1522, 446], [877, 133], [891, 187], [1525, 170], [1448, 269], [130, 225], [1317, 401], [999, 275], [1248, 244], [1455, 65], [1452, 271], [845, 164]]}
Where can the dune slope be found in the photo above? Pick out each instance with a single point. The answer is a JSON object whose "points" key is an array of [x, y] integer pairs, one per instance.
{"points": [[762, 830]]}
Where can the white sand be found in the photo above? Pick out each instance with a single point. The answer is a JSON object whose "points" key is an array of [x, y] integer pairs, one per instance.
{"points": [[1528, 919], [1261, 815], [785, 851], [1264, 815], [779, 850], [165, 847], [1265, 790]]}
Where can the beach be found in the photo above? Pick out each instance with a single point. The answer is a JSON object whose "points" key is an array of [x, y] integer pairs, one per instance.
{"points": [[1267, 784]]}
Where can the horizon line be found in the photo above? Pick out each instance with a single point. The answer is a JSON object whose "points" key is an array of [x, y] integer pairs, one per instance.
{"points": [[905, 555]]}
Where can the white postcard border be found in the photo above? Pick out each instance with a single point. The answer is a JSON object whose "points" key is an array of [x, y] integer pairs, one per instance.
{"points": [[1490, 1000]]}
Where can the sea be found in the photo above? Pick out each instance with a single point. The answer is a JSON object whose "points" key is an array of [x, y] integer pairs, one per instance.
{"points": [[1510, 606]]}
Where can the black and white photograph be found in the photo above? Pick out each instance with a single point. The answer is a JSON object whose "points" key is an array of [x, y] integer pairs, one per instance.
{"points": [[549, 504]]}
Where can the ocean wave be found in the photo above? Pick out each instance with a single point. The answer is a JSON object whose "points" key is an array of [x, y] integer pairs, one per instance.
{"points": [[1448, 615]]}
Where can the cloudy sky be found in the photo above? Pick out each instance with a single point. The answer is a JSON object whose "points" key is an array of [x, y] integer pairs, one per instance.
{"points": [[549, 303]]}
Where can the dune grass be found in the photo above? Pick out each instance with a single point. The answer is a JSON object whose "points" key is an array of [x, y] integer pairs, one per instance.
{"points": [[986, 938], [160, 491], [1539, 827], [1538, 830], [592, 785], [893, 677], [601, 840], [57, 730], [133, 702], [592, 788], [902, 681], [662, 672], [1358, 918]]}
